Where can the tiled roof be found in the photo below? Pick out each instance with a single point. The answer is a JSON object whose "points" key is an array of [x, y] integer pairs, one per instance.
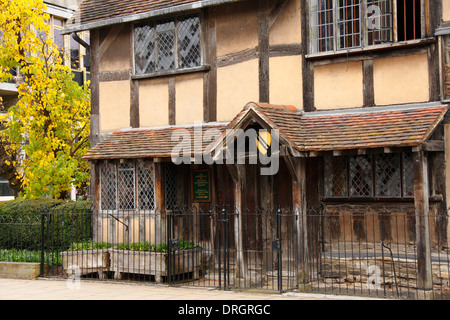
{"points": [[146, 143], [94, 13], [95, 10], [365, 128], [370, 129]]}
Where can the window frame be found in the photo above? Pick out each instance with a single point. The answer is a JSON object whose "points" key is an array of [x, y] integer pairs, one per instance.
{"points": [[134, 166], [201, 67], [364, 47], [6, 197], [373, 178]]}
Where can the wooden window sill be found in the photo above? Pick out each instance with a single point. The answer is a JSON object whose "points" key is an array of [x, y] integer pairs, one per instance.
{"points": [[170, 73], [372, 48]]}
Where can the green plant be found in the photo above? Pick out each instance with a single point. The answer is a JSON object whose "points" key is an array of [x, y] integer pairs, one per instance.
{"points": [[89, 245], [52, 259], [150, 247]]}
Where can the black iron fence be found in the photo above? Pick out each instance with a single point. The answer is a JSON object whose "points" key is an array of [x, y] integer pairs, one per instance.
{"points": [[362, 250], [352, 250]]}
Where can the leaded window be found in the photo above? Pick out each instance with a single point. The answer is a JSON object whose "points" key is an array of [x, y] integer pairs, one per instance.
{"points": [[108, 186], [347, 24], [170, 182], [145, 176], [387, 175], [362, 176], [126, 181], [127, 186], [336, 177], [167, 45]]}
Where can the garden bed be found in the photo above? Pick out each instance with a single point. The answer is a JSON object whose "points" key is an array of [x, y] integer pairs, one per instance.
{"points": [[153, 260], [85, 258]]}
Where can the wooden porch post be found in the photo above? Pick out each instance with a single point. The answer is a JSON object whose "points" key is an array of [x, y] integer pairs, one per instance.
{"points": [[298, 171], [237, 172], [421, 203], [160, 225]]}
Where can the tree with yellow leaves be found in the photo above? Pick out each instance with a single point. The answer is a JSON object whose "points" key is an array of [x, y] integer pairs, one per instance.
{"points": [[50, 121]]}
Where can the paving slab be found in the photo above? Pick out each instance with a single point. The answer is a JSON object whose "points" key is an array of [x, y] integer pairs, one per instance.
{"points": [[49, 289]]}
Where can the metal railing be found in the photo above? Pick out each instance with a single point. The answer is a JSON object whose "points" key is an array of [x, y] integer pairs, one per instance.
{"points": [[338, 249]]}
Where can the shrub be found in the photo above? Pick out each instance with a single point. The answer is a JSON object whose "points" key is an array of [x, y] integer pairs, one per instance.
{"points": [[65, 222]]}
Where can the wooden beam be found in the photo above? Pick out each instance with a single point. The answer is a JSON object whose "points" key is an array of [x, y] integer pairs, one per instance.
{"points": [[431, 146], [263, 50], [239, 189], [307, 66], [210, 78], [301, 225], [232, 169], [134, 104], [421, 204], [290, 163], [172, 101], [95, 91], [276, 10], [112, 35], [160, 204], [368, 84]]}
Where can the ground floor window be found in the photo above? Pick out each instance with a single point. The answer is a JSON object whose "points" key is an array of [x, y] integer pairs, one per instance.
{"points": [[127, 186], [387, 175]]}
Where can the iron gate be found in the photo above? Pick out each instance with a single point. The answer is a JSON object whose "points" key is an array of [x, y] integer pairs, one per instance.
{"points": [[230, 250]]}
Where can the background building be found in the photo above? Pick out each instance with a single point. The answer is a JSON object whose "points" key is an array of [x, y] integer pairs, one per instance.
{"points": [[75, 55]]}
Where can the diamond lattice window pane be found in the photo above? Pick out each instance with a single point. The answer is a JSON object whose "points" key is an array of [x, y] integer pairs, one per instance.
{"points": [[408, 175], [144, 49], [361, 179], [165, 39], [146, 185], [335, 177], [108, 186], [126, 186], [170, 180], [189, 42], [387, 175]]}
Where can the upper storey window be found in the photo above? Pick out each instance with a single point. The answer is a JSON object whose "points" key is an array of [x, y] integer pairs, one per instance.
{"points": [[167, 45], [347, 24]]}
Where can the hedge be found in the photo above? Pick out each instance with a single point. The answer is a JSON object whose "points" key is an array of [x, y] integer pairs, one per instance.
{"points": [[65, 222]]}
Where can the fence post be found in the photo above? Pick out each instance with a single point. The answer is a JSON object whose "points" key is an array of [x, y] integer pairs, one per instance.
{"points": [[42, 243]]}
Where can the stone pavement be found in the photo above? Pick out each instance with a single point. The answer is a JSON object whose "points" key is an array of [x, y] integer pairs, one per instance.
{"points": [[49, 289]]}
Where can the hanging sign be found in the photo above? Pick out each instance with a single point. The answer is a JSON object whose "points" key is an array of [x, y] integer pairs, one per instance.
{"points": [[201, 186]]}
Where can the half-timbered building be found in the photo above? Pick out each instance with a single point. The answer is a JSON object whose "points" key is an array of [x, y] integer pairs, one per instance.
{"points": [[353, 94]]}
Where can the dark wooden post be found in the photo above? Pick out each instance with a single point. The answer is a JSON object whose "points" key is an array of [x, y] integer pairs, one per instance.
{"points": [[298, 171], [421, 203], [160, 226], [237, 172]]}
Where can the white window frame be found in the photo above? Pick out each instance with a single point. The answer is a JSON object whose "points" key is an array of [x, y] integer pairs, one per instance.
{"points": [[366, 20]]}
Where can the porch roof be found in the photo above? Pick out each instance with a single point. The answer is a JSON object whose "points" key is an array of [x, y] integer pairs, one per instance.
{"points": [[337, 130], [146, 143], [377, 127], [346, 129]]}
